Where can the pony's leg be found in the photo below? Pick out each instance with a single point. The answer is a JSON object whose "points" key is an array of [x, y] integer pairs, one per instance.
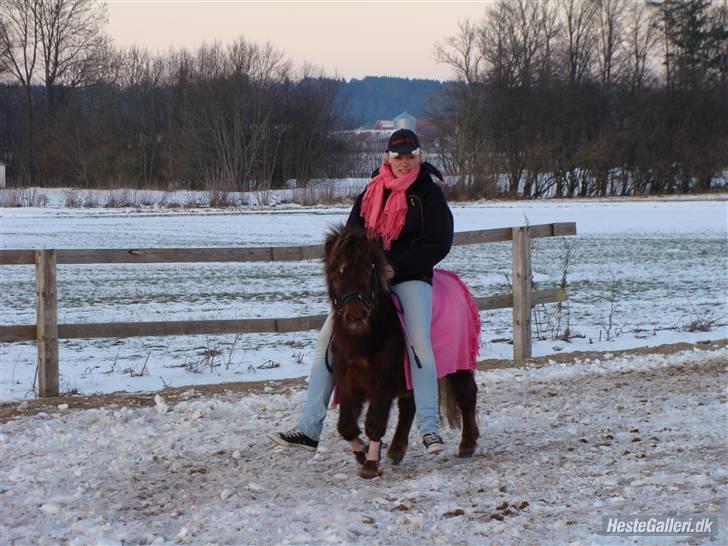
{"points": [[466, 393], [375, 425], [400, 440], [359, 449], [348, 427]]}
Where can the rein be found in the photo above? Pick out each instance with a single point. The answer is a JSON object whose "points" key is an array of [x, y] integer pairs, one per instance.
{"points": [[340, 301]]}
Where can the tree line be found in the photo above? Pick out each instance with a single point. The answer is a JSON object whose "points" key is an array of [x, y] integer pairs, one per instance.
{"points": [[78, 111], [587, 97], [552, 98]]}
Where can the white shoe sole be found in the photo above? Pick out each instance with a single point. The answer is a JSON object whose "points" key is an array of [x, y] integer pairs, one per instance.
{"points": [[436, 448], [281, 442]]}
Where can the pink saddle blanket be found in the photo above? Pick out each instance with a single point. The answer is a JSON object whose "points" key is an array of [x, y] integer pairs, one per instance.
{"points": [[455, 331]]}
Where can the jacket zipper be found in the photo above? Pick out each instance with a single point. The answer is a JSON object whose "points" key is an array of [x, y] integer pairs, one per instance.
{"points": [[422, 218]]}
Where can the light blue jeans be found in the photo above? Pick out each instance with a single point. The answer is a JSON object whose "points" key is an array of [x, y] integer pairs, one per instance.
{"points": [[416, 300]]}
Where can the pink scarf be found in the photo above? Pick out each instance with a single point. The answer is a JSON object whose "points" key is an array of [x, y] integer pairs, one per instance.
{"points": [[381, 219]]}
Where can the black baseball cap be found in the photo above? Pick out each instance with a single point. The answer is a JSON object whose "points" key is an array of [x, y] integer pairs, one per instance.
{"points": [[403, 141]]}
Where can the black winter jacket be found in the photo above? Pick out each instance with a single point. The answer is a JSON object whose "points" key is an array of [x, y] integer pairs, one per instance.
{"points": [[427, 234]]}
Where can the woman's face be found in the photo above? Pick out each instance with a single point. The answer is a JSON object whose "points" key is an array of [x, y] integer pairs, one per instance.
{"points": [[403, 164]]}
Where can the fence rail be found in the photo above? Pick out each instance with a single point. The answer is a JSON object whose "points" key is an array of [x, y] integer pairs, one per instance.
{"points": [[29, 332], [47, 331], [251, 254]]}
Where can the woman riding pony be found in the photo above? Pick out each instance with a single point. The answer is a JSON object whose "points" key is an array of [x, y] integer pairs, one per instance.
{"points": [[405, 211]]}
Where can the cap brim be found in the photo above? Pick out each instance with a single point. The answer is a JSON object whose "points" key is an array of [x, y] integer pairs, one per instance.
{"points": [[403, 150]]}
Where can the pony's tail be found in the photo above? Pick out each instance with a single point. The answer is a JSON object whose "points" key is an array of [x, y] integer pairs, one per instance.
{"points": [[449, 409]]}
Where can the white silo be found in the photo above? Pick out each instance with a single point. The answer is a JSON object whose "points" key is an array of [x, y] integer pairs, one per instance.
{"points": [[405, 121]]}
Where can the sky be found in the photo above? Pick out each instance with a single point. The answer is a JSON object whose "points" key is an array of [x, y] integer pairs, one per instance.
{"points": [[346, 39]]}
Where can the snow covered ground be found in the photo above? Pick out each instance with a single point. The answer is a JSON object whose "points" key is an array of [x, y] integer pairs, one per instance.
{"points": [[654, 266], [561, 447]]}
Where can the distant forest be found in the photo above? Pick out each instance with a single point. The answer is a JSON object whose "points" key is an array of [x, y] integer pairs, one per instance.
{"points": [[380, 97], [558, 98]]}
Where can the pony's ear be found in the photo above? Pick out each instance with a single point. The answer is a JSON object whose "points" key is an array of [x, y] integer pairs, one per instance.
{"points": [[330, 241], [328, 245]]}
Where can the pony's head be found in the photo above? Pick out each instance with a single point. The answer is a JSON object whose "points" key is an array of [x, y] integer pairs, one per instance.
{"points": [[354, 269]]}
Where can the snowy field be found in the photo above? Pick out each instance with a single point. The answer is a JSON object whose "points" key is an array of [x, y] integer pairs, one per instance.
{"points": [[561, 447], [654, 267]]}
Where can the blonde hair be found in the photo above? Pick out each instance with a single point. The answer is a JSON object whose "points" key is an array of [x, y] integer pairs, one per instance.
{"points": [[421, 155]]}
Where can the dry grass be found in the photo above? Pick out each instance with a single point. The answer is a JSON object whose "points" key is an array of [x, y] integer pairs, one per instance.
{"points": [[322, 194], [22, 197], [118, 199], [73, 199], [220, 199]]}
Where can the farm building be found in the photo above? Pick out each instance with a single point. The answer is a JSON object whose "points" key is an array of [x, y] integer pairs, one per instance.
{"points": [[405, 121], [402, 121]]}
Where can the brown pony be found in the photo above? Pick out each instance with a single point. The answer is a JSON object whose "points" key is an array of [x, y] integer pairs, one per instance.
{"points": [[368, 350]]}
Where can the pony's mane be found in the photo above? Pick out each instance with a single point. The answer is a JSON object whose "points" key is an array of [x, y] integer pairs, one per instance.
{"points": [[345, 244]]}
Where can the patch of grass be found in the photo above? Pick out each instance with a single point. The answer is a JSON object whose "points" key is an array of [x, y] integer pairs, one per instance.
{"points": [[264, 198], [267, 365], [138, 373], [91, 200], [321, 194], [22, 197], [219, 199], [72, 199], [118, 199], [209, 360], [699, 321]]}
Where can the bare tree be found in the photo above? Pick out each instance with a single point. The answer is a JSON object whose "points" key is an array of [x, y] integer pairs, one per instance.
{"points": [[516, 34], [18, 41], [641, 38], [719, 28], [19, 58], [496, 45], [72, 43], [462, 52], [551, 29], [611, 30], [261, 63], [227, 114], [579, 18]]}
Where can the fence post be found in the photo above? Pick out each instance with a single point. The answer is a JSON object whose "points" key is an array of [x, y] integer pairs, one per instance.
{"points": [[47, 322], [521, 293]]}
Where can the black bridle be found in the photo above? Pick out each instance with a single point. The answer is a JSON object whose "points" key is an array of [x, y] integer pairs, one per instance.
{"points": [[367, 298]]}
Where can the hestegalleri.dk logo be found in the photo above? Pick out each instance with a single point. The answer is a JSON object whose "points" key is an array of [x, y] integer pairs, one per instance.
{"points": [[660, 525]]}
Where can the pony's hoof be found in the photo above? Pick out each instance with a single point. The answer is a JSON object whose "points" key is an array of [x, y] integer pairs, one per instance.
{"points": [[370, 470], [465, 453], [396, 460], [395, 457]]}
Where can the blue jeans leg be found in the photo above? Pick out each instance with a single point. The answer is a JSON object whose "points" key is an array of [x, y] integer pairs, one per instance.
{"points": [[416, 300], [320, 386]]}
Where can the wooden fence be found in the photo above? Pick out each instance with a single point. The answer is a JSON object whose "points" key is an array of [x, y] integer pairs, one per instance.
{"points": [[46, 332]]}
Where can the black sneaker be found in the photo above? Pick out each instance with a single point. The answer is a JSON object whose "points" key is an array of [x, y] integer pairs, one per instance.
{"points": [[294, 438], [432, 442]]}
